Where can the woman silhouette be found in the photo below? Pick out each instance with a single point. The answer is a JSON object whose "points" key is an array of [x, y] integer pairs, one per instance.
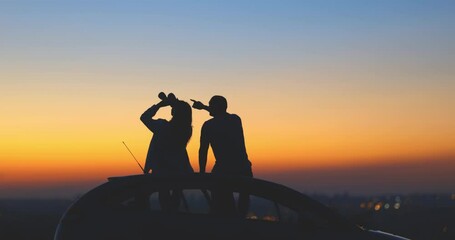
{"points": [[167, 151]]}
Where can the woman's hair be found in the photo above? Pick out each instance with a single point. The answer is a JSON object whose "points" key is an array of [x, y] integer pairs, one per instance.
{"points": [[180, 124]]}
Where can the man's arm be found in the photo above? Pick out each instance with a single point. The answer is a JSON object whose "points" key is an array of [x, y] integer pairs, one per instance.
{"points": [[199, 105], [203, 149]]}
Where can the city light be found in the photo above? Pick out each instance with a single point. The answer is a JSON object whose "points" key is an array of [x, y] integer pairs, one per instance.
{"points": [[270, 218], [370, 205]]}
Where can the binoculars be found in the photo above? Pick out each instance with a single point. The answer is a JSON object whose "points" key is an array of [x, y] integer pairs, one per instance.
{"points": [[170, 97]]}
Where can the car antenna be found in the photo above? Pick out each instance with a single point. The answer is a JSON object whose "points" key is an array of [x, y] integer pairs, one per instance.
{"points": [[133, 156]]}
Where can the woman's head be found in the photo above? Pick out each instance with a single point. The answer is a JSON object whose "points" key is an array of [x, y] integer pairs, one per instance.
{"points": [[181, 121], [181, 112]]}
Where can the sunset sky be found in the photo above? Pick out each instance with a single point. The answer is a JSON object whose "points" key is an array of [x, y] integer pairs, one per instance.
{"points": [[352, 96]]}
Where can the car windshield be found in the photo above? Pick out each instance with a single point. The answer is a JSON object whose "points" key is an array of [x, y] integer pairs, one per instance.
{"points": [[249, 201]]}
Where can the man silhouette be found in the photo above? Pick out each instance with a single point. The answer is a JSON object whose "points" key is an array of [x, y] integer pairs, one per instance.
{"points": [[224, 133]]}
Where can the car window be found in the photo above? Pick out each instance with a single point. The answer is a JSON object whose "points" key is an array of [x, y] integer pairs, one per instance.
{"points": [[261, 209], [287, 215], [154, 202], [268, 209], [195, 201], [184, 201], [219, 201], [138, 201]]}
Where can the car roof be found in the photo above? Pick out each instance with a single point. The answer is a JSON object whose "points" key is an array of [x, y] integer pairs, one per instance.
{"points": [[274, 191]]}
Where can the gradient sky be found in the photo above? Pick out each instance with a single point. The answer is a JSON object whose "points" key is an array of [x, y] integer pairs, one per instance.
{"points": [[353, 96]]}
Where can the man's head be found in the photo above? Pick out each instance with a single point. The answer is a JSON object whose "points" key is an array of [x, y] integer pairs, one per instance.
{"points": [[217, 105]]}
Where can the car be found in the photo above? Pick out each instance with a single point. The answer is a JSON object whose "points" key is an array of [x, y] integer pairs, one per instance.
{"points": [[203, 206]]}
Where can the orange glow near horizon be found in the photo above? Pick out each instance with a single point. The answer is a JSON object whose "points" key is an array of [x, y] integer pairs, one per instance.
{"points": [[78, 141], [74, 160]]}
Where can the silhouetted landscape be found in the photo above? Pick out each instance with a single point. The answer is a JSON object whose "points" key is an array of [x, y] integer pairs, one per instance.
{"points": [[416, 216]]}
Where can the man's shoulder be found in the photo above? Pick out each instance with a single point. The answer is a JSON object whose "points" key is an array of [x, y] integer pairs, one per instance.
{"points": [[233, 115], [222, 119], [208, 122], [212, 122]]}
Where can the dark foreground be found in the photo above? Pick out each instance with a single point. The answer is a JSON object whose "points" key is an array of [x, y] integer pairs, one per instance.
{"points": [[417, 217]]}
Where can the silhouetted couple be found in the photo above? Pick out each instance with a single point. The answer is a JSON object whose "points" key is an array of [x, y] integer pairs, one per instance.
{"points": [[224, 133]]}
